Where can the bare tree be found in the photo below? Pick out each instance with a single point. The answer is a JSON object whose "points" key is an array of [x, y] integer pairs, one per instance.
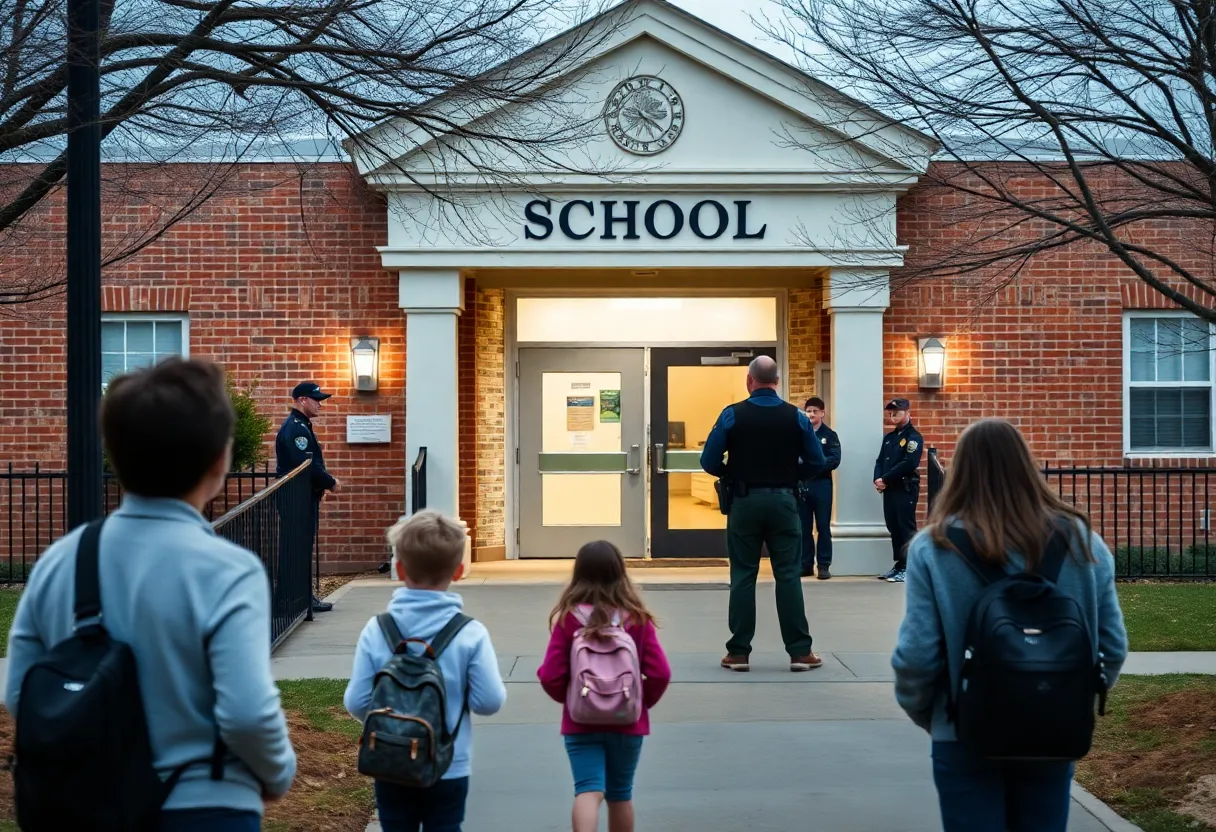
{"points": [[1106, 108], [216, 82]]}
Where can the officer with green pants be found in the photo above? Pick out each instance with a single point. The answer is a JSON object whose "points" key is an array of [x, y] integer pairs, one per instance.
{"points": [[771, 446]]}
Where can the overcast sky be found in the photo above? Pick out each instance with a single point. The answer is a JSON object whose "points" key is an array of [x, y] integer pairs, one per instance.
{"points": [[733, 16]]}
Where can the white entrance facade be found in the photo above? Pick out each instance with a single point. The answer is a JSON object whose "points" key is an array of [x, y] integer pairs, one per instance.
{"points": [[716, 173]]}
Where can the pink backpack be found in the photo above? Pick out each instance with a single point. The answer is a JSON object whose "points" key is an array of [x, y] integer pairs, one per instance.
{"points": [[605, 675]]}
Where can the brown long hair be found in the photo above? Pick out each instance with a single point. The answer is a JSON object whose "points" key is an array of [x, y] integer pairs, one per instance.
{"points": [[995, 489], [600, 580]]}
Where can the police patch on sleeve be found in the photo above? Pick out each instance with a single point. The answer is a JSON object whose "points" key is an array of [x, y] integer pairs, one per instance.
{"points": [[912, 446], [302, 442]]}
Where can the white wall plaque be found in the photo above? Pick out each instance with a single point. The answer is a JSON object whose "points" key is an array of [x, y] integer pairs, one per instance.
{"points": [[363, 430]]}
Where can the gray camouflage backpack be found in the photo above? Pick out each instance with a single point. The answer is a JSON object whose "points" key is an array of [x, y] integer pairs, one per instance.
{"points": [[405, 735]]}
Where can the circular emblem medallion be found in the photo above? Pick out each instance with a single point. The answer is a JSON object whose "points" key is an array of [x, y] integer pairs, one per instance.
{"points": [[644, 115]]}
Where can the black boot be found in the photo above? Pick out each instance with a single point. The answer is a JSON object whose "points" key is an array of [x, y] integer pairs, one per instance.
{"points": [[321, 606]]}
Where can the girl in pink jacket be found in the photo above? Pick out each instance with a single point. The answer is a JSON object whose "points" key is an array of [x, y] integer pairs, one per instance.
{"points": [[603, 758]]}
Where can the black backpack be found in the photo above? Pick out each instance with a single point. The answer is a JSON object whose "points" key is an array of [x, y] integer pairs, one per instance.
{"points": [[82, 754], [405, 735], [1030, 672]]}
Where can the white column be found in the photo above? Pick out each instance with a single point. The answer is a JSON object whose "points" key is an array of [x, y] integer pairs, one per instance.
{"points": [[432, 301], [855, 300]]}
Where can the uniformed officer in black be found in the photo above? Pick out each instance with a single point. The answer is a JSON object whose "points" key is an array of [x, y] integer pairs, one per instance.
{"points": [[292, 446], [897, 478], [769, 446], [815, 503]]}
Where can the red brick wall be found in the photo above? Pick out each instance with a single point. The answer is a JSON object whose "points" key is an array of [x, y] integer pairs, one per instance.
{"points": [[1043, 350], [277, 272]]}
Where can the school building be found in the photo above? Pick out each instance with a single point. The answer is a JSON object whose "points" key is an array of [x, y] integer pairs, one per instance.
{"points": [[561, 346]]}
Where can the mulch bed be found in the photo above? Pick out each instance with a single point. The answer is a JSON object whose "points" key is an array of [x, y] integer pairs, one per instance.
{"points": [[330, 583], [1167, 747]]}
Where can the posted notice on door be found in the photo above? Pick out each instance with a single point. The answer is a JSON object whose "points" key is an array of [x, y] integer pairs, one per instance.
{"points": [[580, 413]]}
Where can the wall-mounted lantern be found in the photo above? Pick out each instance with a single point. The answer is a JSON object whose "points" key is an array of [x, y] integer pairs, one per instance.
{"points": [[365, 363], [931, 362]]}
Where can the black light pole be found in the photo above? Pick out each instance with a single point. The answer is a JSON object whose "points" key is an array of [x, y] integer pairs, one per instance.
{"points": [[84, 261]]}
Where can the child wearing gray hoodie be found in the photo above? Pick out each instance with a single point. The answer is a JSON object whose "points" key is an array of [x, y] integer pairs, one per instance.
{"points": [[428, 552]]}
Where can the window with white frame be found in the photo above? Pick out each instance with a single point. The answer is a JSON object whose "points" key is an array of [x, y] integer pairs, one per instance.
{"points": [[1168, 371], [131, 341]]}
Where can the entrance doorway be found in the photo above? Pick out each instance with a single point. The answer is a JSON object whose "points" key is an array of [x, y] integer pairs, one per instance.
{"points": [[614, 398], [594, 456], [689, 388], [581, 450]]}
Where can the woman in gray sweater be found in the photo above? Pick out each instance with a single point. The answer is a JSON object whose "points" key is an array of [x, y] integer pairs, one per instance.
{"points": [[996, 493]]}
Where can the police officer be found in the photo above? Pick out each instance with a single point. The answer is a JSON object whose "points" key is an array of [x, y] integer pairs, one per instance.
{"points": [[771, 447], [292, 446], [815, 505], [897, 478]]}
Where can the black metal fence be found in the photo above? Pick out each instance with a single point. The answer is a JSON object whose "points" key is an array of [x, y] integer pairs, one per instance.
{"points": [[1156, 521], [33, 510], [278, 524]]}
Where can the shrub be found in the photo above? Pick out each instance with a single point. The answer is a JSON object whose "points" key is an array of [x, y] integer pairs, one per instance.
{"points": [[248, 445], [1150, 561]]}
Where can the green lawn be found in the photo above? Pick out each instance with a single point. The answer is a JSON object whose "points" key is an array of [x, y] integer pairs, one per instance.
{"points": [[1153, 744], [1169, 616], [8, 608]]}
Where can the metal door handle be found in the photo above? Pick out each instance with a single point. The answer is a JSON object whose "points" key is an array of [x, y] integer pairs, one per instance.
{"points": [[660, 453], [632, 470]]}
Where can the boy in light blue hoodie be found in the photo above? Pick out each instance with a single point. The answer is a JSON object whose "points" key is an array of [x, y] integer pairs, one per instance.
{"points": [[428, 552]]}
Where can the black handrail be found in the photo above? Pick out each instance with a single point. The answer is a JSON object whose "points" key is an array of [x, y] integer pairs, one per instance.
{"points": [[418, 482], [274, 524], [937, 477]]}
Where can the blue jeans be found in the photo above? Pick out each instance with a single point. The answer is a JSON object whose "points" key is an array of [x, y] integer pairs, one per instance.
{"points": [[437, 809], [979, 795], [604, 762], [209, 820], [817, 509]]}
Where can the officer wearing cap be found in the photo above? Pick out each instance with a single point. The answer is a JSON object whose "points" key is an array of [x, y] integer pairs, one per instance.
{"points": [[770, 446], [292, 446], [815, 503], [897, 478]]}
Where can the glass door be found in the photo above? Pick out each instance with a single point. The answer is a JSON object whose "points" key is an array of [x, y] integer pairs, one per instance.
{"points": [[689, 387], [581, 450]]}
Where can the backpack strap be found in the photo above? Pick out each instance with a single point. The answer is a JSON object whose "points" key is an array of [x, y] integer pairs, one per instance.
{"points": [[444, 637], [88, 583], [392, 634], [585, 618], [986, 571], [1054, 556], [440, 643]]}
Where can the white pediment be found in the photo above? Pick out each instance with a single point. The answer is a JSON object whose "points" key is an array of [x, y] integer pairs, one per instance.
{"points": [[747, 120]]}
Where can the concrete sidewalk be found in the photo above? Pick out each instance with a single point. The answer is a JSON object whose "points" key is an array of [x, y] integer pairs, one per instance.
{"points": [[766, 750]]}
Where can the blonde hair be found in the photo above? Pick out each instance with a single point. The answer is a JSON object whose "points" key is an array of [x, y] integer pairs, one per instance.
{"points": [[428, 545]]}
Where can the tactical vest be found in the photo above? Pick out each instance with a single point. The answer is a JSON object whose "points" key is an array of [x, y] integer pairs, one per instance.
{"points": [[764, 445]]}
